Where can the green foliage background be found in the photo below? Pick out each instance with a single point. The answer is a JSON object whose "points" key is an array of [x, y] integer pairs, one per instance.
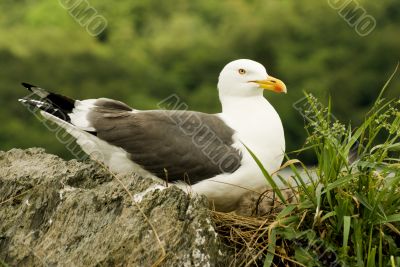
{"points": [[151, 49]]}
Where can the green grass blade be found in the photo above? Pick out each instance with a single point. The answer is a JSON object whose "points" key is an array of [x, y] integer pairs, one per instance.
{"points": [[267, 176], [386, 84], [271, 248], [358, 240], [286, 211], [391, 218], [371, 258], [346, 230], [339, 182]]}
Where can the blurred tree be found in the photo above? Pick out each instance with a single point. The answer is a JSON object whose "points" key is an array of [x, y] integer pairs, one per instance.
{"points": [[151, 49]]}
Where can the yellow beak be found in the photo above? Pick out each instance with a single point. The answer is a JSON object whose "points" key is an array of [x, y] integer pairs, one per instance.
{"points": [[272, 84]]}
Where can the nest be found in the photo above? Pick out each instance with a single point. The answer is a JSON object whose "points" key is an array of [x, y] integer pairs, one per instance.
{"points": [[246, 230]]}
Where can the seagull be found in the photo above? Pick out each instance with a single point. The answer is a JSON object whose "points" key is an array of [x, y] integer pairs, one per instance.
{"points": [[205, 154]]}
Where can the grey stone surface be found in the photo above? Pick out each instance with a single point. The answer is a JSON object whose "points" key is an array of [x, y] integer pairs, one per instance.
{"points": [[68, 213]]}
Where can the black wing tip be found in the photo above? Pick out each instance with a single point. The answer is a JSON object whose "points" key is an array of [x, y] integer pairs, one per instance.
{"points": [[28, 86]]}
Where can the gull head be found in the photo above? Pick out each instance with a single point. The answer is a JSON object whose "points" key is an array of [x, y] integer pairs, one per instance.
{"points": [[246, 77]]}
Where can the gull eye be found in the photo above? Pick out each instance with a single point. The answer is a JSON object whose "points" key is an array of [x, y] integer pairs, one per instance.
{"points": [[242, 71]]}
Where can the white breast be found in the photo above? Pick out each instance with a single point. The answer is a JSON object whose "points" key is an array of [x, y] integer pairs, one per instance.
{"points": [[259, 127]]}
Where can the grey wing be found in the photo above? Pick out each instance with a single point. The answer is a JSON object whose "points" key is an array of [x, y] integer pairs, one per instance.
{"points": [[173, 145]]}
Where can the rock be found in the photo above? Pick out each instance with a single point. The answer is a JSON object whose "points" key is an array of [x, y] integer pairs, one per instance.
{"points": [[68, 213]]}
